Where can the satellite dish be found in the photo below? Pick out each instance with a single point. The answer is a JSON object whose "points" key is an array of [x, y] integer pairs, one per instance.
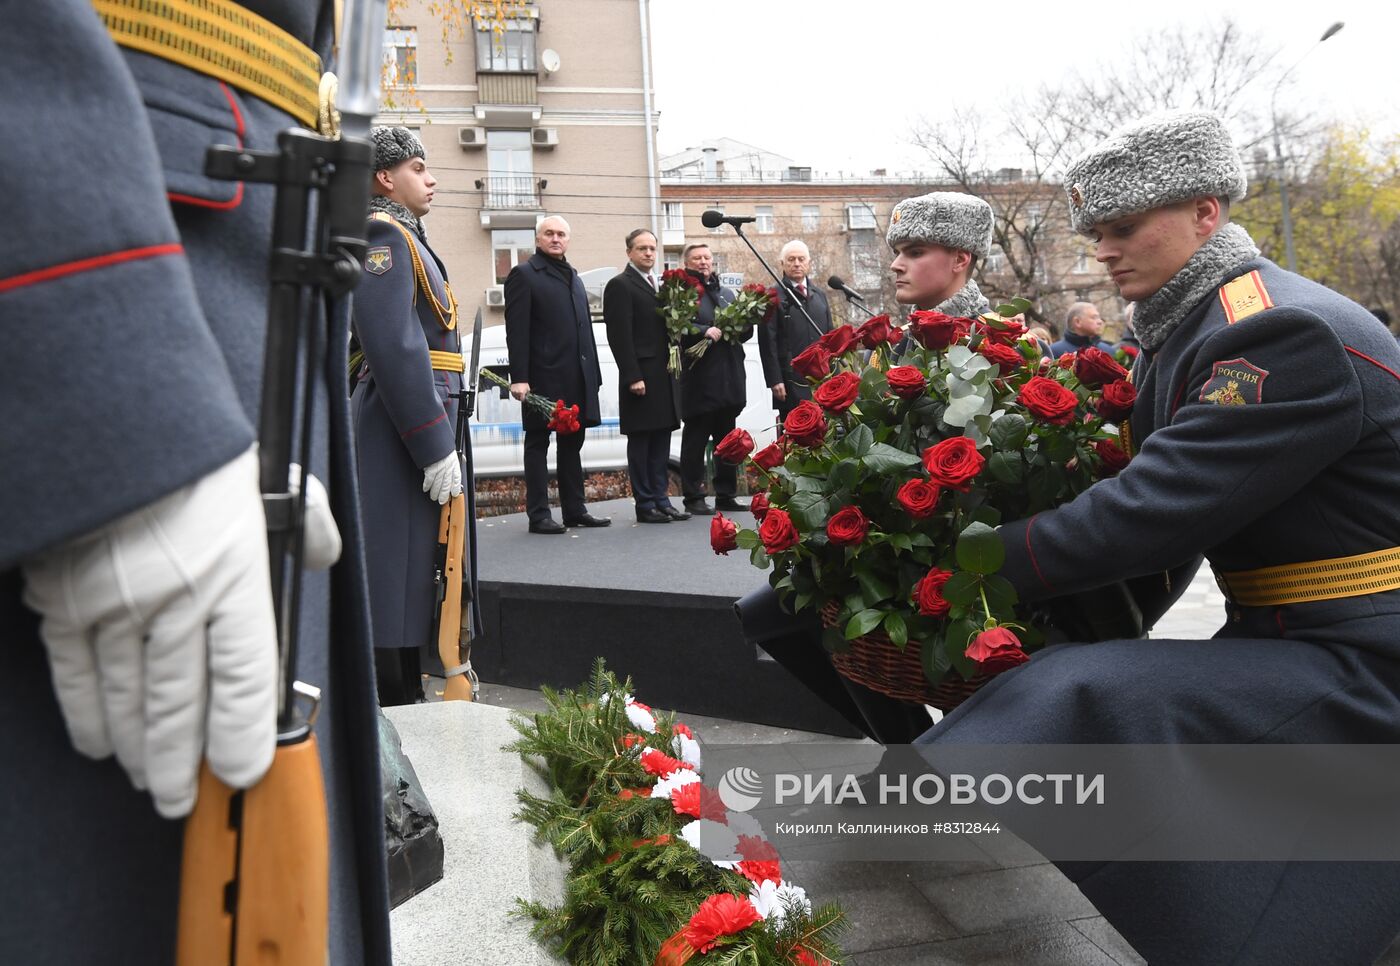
{"points": [[549, 59]]}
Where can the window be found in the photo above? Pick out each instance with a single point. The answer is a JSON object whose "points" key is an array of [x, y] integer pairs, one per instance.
{"points": [[510, 181], [718, 229], [721, 263], [867, 262], [671, 262], [513, 49], [674, 213], [996, 262], [860, 217], [811, 217], [764, 224], [400, 56], [1081, 263], [509, 249]]}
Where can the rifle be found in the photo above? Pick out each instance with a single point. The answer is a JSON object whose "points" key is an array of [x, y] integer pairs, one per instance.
{"points": [[255, 878], [453, 640]]}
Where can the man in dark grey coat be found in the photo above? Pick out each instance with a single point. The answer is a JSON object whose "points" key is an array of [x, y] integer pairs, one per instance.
{"points": [[135, 297], [648, 398], [1266, 437], [549, 336], [405, 410], [713, 391], [790, 331]]}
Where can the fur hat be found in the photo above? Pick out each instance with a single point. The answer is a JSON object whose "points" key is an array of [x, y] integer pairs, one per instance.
{"points": [[394, 145], [1157, 161], [948, 218]]}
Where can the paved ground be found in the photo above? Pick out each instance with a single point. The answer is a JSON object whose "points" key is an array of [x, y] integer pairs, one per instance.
{"points": [[1008, 907]]}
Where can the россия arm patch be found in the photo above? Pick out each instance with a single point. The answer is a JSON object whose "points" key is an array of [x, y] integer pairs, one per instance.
{"points": [[1234, 382]]}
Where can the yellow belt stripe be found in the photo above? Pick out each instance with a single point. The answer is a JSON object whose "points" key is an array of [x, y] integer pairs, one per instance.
{"points": [[1337, 577], [447, 361], [224, 41]]}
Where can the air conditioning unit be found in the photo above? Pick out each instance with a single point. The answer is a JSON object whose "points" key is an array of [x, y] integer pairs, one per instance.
{"points": [[496, 296], [545, 137], [471, 137]]}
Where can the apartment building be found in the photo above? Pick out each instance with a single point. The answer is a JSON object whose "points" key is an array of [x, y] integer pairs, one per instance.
{"points": [[553, 114]]}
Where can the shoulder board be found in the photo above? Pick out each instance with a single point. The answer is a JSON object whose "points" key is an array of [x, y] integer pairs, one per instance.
{"points": [[381, 216], [1244, 296]]}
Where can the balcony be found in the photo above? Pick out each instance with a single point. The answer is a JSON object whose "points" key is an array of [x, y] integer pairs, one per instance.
{"points": [[501, 88], [510, 201]]}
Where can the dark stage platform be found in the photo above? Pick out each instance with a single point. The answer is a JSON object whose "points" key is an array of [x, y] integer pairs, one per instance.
{"points": [[652, 599]]}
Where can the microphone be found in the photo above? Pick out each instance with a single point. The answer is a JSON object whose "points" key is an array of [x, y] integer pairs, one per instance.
{"points": [[837, 284], [711, 218]]}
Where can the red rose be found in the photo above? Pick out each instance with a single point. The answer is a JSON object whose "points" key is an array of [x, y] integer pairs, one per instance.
{"points": [[813, 362], [919, 498], [719, 915], [848, 527], [934, 330], [996, 649], [723, 534], [906, 382], [837, 393], [1065, 361], [928, 593], [1117, 401], [1004, 330], [1094, 367], [1049, 401], [953, 463], [770, 456], [838, 340], [1130, 351], [777, 531], [758, 506], [734, 447], [874, 332], [1001, 354], [565, 419], [757, 872], [1114, 459], [806, 424]]}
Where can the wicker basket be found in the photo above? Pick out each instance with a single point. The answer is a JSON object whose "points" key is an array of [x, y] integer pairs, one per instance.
{"points": [[875, 662]]}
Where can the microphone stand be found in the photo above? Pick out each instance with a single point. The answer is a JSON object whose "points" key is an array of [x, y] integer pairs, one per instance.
{"points": [[781, 282]]}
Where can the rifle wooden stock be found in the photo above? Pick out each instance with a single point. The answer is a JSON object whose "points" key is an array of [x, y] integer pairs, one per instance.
{"points": [[452, 535], [267, 852]]}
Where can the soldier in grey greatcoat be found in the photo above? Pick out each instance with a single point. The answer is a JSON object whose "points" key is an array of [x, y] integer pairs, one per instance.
{"points": [[405, 410], [937, 240], [134, 291], [1266, 438]]}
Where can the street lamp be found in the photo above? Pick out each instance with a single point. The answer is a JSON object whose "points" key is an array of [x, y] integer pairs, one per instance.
{"points": [[1278, 148]]}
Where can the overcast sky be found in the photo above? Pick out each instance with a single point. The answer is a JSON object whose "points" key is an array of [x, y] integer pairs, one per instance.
{"points": [[837, 85]]}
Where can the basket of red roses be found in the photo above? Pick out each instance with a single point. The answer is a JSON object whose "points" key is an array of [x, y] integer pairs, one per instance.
{"points": [[885, 490]]}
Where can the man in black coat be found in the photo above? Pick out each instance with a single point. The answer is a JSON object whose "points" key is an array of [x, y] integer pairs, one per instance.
{"points": [[648, 398], [790, 332], [549, 336], [712, 391]]}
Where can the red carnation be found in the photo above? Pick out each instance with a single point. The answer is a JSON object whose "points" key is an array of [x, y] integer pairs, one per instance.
{"points": [[719, 915], [698, 801], [954, 462], [906, 382], [681, 728], [629, 740], [757, 872], [838, 340], [777, 531], [1114, 459], [758, 506], [565, 419], [1001, 354], [919, 498], [1048, 401], [755, 848], [838, 393], [928, 593], [802, 956], [996, 649], [934, 330], [770, 456], [848, 527], [874, 332], [806, 424], [734, 447], [1094, 367], [661, 764], [724, 535], [1118, 399], [813, 362]]}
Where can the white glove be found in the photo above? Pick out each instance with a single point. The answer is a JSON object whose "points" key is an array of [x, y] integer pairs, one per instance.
{"points": [[443, 480], [161, 637], [321, 537]]}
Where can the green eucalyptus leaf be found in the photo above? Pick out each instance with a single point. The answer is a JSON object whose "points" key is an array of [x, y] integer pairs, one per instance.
{"points": [[980, 549]]}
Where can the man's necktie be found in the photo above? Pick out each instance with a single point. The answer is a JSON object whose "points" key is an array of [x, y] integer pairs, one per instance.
{"points": [[802, 289]]}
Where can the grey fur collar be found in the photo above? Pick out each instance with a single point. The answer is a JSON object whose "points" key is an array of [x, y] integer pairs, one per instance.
{"points": [[399, 213], [1158, 315], [967, 303]]}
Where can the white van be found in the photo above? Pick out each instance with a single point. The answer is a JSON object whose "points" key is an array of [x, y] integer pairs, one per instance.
{"points": [[498, 440]]}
